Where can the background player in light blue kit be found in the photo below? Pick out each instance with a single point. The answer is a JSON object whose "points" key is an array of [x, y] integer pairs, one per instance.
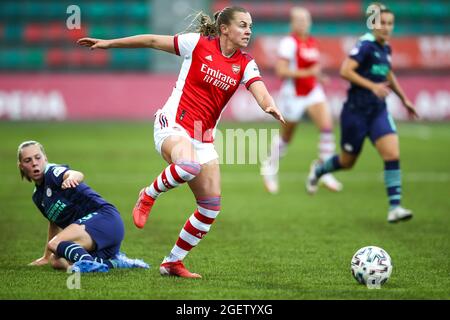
{"points": [[84, 229], [368, 68]]}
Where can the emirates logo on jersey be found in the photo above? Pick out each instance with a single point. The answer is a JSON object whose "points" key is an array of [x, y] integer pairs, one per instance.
{"points": [[217, 78], [236, 68]]}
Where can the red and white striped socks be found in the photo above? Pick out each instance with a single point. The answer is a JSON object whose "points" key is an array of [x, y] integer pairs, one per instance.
{"points": [[196, 227], [172, 176], [326, 145]]}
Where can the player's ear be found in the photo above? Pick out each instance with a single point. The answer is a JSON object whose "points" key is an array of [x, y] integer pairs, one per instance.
{"points": [[223, 28]]}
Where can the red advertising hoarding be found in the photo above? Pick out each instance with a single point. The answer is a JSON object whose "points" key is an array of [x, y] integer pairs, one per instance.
{"points": [[138, 96]]}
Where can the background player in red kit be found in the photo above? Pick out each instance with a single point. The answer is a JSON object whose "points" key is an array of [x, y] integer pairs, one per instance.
{"points": [[298, 66], [212, 69]]}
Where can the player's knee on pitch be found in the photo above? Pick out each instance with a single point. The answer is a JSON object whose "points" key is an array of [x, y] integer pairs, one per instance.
{"points": [[52, 245]]}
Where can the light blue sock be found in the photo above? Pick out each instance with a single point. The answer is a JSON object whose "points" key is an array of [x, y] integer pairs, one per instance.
{"points": [[330, 165], [393, 183]]}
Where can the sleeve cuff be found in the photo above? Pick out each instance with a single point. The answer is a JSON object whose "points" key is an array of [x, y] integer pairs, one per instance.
{"points": [[249, 82], [175, 45]]}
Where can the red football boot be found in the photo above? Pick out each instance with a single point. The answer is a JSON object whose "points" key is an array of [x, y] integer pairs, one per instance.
{"points": [[176, 269], [142, 209]]}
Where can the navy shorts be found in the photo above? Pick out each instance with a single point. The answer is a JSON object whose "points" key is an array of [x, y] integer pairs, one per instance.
{"points": [[106, 228], [357, 125]]}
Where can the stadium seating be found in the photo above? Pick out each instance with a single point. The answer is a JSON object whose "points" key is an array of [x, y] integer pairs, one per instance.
{"points": [[34, 36]]}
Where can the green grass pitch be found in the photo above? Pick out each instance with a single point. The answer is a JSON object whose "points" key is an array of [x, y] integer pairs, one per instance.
{"points": [[288, 246]]}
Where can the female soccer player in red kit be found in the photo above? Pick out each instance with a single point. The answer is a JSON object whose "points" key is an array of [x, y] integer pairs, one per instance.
{"points": [[212, 69], [298, 65]]}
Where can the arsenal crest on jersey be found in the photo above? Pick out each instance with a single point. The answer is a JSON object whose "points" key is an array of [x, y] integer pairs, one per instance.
{"points": [[236, 68]]}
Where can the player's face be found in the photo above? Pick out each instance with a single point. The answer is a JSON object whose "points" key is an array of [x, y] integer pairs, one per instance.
{"points": [[300, 22], [387, 26], [240, 29], [33, 163]]}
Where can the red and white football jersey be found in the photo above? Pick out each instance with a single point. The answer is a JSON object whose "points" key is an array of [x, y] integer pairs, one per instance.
{"points": [[206, 82], [301, 54]]}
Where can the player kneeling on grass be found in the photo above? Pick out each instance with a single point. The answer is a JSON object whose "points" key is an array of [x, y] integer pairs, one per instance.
{"points": [[85, 231]]}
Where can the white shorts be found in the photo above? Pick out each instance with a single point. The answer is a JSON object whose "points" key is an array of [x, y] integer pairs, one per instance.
{"points": [[165, 127], [292, 106]]}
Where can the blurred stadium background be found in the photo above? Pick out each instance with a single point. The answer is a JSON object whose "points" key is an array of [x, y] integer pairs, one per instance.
{"points": [[298, 247], [43, 73]]}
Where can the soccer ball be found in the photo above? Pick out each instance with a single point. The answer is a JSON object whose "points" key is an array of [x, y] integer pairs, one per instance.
{"points": [[371, 266]]}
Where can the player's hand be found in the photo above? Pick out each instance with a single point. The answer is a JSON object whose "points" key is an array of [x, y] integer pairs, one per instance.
{"points": [[274, 112], [381, 90], [39, 262], [94, 43], [411, 109], [69, 183]]}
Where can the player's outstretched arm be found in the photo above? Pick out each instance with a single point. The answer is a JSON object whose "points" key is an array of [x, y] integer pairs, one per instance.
{"points": [[53, 230], [395, 86], [265, 100], [158, 42], [71, 179]]}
